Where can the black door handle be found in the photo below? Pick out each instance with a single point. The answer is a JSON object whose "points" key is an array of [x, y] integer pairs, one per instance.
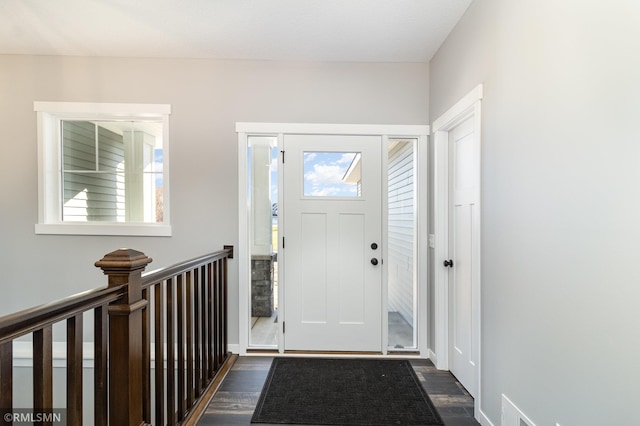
{"points": [[374, 261], [448, 263]]}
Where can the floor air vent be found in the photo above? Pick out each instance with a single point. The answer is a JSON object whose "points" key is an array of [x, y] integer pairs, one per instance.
{"points": [[512, 416]]}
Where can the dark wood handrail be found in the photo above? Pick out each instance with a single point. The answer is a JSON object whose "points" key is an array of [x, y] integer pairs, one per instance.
{"points": [[151, 277], [29, 320]]}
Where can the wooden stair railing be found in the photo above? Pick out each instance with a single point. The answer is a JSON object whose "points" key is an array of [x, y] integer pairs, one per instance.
{"points": [[160, 342]]}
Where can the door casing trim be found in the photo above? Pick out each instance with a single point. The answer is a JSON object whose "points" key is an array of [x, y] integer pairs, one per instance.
{"points": [[468, 106]]}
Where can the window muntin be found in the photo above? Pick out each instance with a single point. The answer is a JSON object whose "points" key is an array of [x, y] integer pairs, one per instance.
{"points": [[103, 169]]}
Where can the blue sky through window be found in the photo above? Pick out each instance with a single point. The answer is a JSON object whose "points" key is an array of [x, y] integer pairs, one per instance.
{"points": [[157, 167], [324, 174]]}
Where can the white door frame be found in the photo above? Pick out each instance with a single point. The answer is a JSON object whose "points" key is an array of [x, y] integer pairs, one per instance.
{"points": [[419, 132], [468, 106]]}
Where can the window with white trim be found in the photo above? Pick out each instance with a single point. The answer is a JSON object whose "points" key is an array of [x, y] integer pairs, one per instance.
{"points": [[103, 168]]}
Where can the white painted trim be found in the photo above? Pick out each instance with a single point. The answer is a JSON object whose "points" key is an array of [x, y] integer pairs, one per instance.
{"points": [[23, 354], [115, 109], [477, 302], [451, 117], [87, 228], [433, 357], [391, 130], [282, 309], [422, 230], [244, 261], [467, 107], [482, 418], [384, 240], [235, 349], [441, 250], [512, 415]]}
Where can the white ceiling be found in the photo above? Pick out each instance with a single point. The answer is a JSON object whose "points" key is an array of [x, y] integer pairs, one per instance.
{"points": [[296, 30]]}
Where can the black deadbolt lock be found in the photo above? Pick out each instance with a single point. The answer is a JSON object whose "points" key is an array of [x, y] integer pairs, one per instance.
{"points": [[374, 246]]}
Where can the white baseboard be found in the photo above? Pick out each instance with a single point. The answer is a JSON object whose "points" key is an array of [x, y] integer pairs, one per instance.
{"points": [[482, 418], [433, 357], [235, 349], [23, 354]]}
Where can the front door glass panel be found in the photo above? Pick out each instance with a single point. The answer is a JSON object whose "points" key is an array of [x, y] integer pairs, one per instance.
{"points": [[331, 174]]}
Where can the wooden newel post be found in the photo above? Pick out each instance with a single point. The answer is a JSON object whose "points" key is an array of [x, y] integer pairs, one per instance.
{"points": [[125, 266]]}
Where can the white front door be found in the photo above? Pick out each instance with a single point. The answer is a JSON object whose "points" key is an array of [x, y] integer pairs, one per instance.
{"points": [[332, 243], [464, 252]]}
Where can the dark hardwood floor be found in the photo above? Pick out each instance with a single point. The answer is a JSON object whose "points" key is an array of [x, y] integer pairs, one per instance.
{"points": [[238, 395]]}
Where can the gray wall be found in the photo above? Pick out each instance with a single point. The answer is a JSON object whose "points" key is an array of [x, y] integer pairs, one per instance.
{"points": [[561, 202], [207, 98]]}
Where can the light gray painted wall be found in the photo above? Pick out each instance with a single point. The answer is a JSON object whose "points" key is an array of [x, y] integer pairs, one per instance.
{"points": [[207, 98], [561, 202]]}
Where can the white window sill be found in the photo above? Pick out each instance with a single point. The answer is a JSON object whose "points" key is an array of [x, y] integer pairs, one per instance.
{"points": [[120, 229]]}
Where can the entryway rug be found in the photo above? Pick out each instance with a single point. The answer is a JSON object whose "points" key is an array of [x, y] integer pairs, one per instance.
{"points": [[320, 391]]}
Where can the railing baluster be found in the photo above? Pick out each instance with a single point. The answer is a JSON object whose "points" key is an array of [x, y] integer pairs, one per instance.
{"points": [[210, 320], [42, 370], [146, 359], [223, 316], [74, 370], [6, 376], [159, 349], [171, 372], [216, 318], [196, 329], [203, 342], [221, 324], [181, 361], [189, 326], [100, 332]]}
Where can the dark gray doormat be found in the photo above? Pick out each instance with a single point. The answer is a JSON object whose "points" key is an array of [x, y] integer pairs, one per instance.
{"points": [[320, 391]]}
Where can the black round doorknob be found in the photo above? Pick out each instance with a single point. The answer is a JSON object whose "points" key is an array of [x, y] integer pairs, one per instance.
{"points": [[374, 261], [448, 263]]}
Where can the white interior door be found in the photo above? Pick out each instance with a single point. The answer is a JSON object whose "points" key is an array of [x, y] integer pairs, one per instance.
{"points": [[464, 252], [332, 218]]}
